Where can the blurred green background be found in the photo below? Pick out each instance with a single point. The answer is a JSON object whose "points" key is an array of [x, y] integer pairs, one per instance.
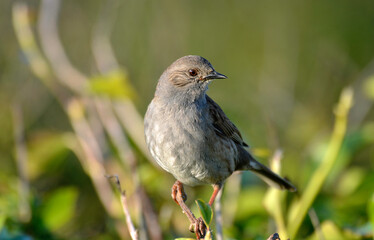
{"points": [[287, 62]]}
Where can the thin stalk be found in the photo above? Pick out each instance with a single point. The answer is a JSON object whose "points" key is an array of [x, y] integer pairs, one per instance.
{"points": [[301, 208]]}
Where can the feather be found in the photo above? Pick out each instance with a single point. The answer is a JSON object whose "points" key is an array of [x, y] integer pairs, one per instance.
{"points": [[222, 124]]}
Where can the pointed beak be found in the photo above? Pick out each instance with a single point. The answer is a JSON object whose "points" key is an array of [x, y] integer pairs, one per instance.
{"points": [[215, 75]]}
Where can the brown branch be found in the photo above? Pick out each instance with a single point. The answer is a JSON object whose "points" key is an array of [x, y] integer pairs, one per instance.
{"points": [[106, 62], [130, 226], [74, 80], [93, 159]]}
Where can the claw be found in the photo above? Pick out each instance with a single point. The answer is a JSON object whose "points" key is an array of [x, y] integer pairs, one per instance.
{"points": [[176, 190], [192, 228], [179, 196]]}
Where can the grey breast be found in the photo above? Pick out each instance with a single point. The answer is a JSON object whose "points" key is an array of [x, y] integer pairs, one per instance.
{"points": [[184, 144]]}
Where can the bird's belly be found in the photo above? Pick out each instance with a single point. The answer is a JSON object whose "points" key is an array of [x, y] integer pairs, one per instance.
{"points": [[190, 153]]}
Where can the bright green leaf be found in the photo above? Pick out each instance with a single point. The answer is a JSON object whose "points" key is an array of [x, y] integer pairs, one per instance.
{"points": [[116, 84], [184, 239], [205, 211], [59, 207]]}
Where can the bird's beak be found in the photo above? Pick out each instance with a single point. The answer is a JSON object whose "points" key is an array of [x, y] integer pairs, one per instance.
{"points": [[215, 75]]}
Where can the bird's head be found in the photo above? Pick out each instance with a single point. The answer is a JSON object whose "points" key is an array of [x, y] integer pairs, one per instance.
{"points": [[189, 75]]}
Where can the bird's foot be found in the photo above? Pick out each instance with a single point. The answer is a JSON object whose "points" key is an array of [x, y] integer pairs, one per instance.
{"points": [[199, 228], [179, 196]]}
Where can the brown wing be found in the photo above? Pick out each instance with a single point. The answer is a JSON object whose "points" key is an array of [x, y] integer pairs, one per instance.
{"points": [[222, 124]]}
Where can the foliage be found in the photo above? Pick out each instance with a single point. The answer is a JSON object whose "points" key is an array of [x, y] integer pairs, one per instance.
{"points": [[71, 114]]}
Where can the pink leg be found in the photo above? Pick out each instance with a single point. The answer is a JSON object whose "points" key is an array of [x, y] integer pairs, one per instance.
{"points": [[179, 196], [216, 189]]}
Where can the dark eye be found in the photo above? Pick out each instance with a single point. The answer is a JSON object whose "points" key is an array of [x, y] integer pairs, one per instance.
{"points": [[192, 72]]}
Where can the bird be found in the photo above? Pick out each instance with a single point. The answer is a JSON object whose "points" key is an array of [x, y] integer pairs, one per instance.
{"points": [[189, 135]]}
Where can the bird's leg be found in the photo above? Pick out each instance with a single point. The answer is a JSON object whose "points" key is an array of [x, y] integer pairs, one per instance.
{"points": [[179, 196], [216, 188]]}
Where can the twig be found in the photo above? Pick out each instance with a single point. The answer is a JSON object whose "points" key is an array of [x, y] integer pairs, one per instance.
{"points": [[128, 158], [73, 79], [92, 161], [132, 230], [316, 224], [107, 63]]}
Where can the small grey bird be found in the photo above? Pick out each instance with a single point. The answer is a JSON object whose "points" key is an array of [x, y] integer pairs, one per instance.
{"points": [[190, 136]]}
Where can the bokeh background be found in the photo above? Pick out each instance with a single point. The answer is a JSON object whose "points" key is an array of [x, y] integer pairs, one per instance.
{"points": [[76, 78]]}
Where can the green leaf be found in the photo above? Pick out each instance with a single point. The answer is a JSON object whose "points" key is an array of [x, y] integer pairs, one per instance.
{"points": [[184, 239], [115, 84], [47, 150], [59, 207], [205, 211]]}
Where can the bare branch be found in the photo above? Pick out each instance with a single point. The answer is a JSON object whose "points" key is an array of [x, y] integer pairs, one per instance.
{"points": [[93, 159], [125, 208], [316, 223], [106, 62]]}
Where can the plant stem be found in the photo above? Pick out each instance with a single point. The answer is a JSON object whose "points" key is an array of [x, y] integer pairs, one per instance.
{"points": [[299, 211]]}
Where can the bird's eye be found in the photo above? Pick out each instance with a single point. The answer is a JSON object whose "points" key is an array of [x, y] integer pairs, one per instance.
{"points": [[192, 72]]}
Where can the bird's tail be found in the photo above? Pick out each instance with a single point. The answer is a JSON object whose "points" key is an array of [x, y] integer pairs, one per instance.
{"points": [[247, 162]]}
